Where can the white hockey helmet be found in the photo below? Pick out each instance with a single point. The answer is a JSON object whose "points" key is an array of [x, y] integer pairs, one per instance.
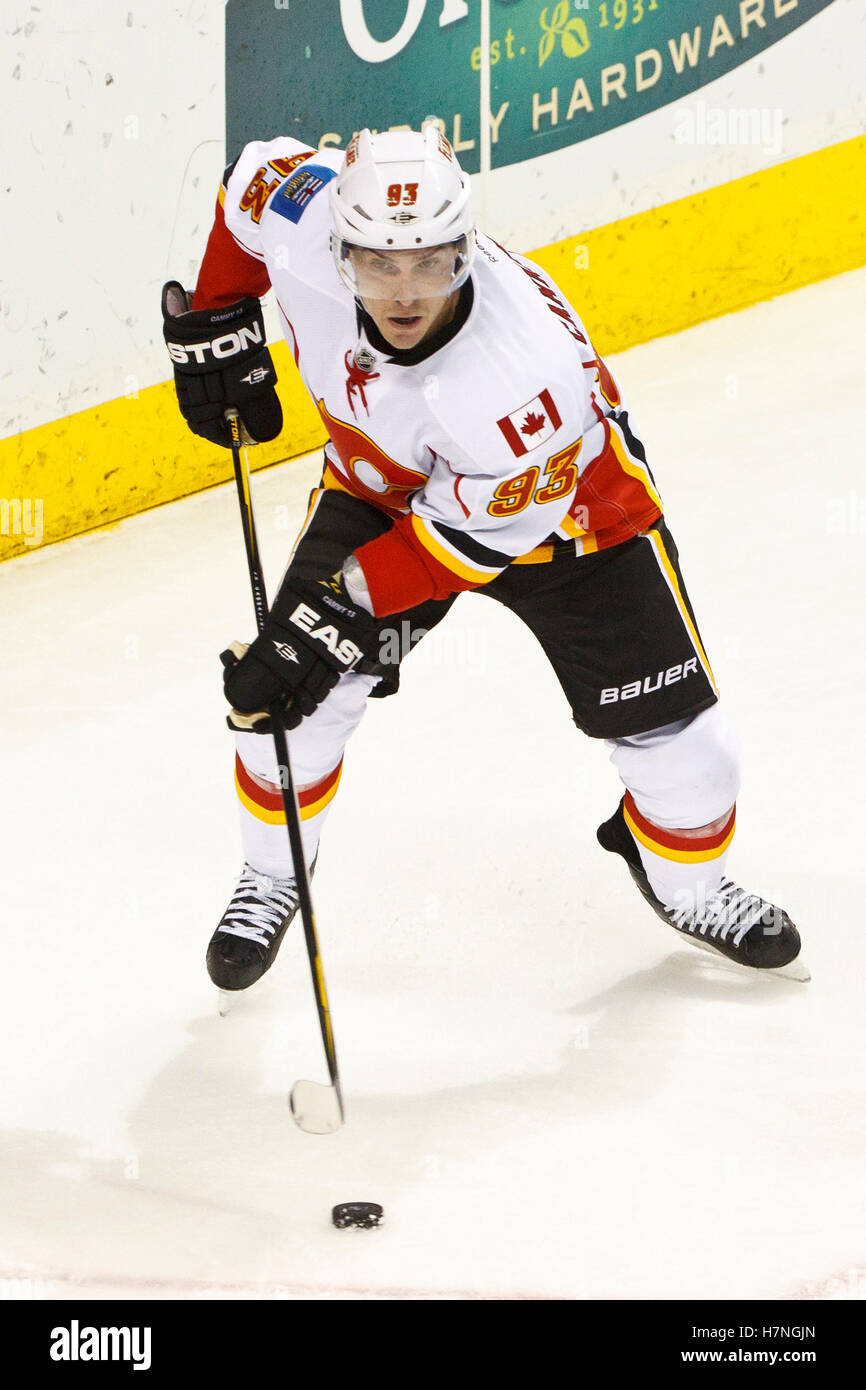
{"points": [[402, 190]]}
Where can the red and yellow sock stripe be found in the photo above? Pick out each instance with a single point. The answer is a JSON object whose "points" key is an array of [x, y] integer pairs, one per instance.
{"points": [[687, 849], [267, 805]]}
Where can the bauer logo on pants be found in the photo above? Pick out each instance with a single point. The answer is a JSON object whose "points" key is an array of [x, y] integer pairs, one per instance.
{"points": [[649, 684], [531, 425]]}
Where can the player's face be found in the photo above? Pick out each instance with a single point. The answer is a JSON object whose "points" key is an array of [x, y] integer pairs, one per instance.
{"points": [[406, 293]]}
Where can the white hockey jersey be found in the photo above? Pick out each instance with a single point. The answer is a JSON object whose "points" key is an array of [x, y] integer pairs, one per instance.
{"points": [[512, 434]]}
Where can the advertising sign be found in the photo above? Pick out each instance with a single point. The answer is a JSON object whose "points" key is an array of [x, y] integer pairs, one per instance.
{"points": [[560, 71]]}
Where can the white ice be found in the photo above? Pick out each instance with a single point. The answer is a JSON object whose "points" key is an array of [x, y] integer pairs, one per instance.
{"points": [[550, 1093]]}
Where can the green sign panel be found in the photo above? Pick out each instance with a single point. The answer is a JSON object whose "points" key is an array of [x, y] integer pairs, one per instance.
{"points": [[560, 71]]}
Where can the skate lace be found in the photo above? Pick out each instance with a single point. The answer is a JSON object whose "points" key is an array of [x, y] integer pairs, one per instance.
{"points": [[259, 905], [729, 909]]}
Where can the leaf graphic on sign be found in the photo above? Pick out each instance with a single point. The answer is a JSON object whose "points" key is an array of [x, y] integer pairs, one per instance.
{"points": [[547, 42], [575, 38], [532, 424], [574, 33]]}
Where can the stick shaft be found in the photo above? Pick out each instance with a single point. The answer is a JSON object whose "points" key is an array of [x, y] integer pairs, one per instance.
{"points": [[287, 785]]}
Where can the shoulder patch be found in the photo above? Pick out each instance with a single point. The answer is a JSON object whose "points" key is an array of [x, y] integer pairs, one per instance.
{"points": [[295, 195], [533, 424], [261, 186]]}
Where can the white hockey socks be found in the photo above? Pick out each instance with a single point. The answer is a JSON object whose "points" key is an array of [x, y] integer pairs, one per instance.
{"points": [[682, 776], [316, 754]]}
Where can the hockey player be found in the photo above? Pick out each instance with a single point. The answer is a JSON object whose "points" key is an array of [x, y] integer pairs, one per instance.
{"points": [[476, 440]]}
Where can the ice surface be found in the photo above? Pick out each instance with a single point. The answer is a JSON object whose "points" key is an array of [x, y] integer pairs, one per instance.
{"points": [[550, 1095]]}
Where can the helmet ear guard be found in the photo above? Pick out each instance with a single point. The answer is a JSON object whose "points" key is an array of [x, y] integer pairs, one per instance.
{"points": [[401, 191]]}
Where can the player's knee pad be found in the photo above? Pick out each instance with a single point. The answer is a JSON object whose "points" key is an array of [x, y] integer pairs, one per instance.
{"points": [[316, 745], [684, 775]]}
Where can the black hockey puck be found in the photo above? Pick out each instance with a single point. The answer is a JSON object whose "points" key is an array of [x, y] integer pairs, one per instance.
{"points": [[363, 1215]]}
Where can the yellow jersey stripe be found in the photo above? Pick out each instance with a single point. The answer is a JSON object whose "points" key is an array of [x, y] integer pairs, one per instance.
{"points": [[570, 526], [630, 465], [674, 584], [539, 556], [315, 499], [446, 559]]}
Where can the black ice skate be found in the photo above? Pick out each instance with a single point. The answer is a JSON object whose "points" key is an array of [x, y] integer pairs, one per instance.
{"points": [[736, 924], [253, 925]]}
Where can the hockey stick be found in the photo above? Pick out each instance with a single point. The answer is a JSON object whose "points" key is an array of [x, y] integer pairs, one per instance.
{"points": [[316, 1108]]}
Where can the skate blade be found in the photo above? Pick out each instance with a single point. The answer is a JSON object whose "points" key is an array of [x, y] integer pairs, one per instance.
{"points": [[796, 969], [225, 1001], [316, 1109]]}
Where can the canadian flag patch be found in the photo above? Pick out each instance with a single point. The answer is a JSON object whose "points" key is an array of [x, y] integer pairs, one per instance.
{"points": [[531, 425]]}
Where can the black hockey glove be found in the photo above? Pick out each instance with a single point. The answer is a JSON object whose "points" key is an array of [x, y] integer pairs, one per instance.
{"points": [[221, 361], [313, 633]]}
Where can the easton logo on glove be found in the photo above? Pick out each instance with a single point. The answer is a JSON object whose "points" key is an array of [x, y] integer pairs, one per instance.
{"points": [[344, 650], [226, 345], [286, 652], [221, 362], [300, 654]]}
